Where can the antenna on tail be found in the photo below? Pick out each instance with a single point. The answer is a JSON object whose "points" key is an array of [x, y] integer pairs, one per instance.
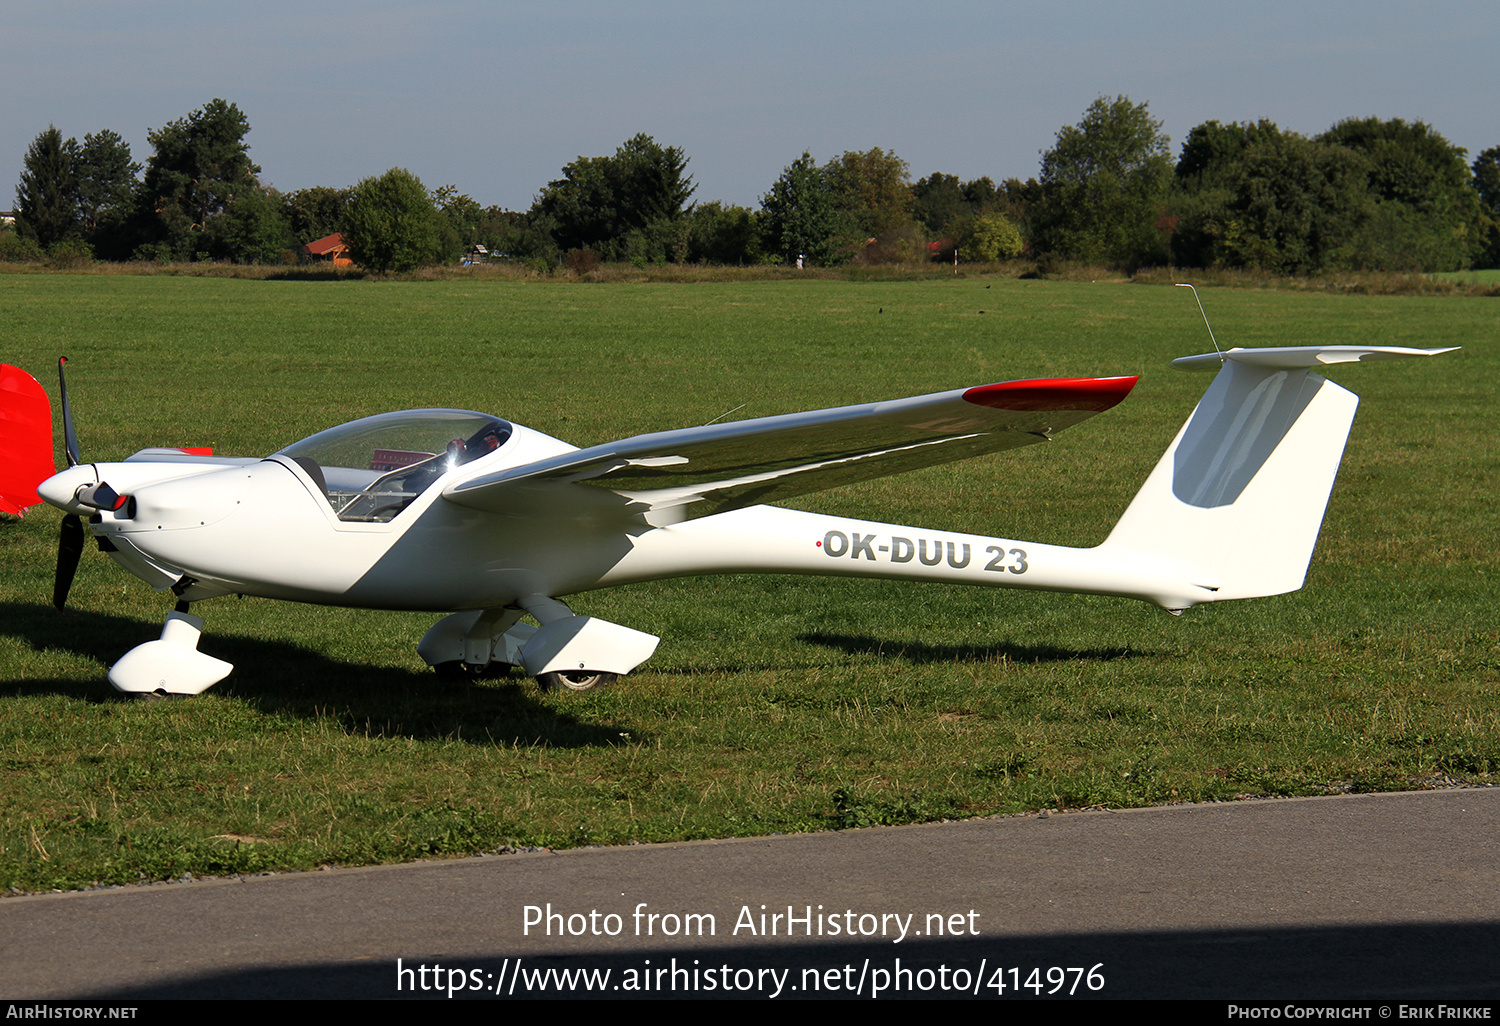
{"points": [[1185, 285]]}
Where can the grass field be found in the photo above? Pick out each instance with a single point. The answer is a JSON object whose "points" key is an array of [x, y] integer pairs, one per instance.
{"points": [[773, 704]]}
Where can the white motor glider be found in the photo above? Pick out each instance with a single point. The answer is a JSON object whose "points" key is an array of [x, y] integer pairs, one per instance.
{"points": [[464, 513]]}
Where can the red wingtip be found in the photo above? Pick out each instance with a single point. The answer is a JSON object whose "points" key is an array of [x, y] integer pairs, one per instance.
{"points": [[1092, 394], [25, 439]]}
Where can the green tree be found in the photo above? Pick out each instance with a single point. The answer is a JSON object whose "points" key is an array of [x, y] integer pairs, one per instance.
{"points": [[1426, 207], [391, 223], [1487, 183], [513, 234], [873, 190], [801, 217], [1256, 196], [1368, 193], [460, 220], [1212, 151], [47, 196], [653, 183], [1018, 201], [107, 182], [938, 200], [201, 164], [314, 213], [950, 211], [107, 179], [1104, 183], [989, 238], [719, 234], [621, 204], [252, 230], [983, 195], [1487, 178]]}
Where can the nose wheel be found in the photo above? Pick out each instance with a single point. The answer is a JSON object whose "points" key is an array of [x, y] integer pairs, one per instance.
{"points": [[171, 665]]}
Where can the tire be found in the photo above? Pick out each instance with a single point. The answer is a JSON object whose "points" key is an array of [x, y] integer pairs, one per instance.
{"points": [[575, 680]]}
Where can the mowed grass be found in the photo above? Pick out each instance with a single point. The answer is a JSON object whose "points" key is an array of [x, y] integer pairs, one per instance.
{"points": [[773, 703]]}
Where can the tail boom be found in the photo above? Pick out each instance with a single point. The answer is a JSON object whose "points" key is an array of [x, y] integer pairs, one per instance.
{"points": [[768, 539]]}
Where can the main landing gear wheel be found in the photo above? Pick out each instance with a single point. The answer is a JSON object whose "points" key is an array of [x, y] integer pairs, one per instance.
{"points": [[575, 680]]}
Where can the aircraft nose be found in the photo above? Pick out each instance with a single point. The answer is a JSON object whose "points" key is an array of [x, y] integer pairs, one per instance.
{"points": [[60, 489]]}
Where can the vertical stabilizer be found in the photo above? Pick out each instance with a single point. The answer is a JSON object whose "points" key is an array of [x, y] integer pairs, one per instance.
{"points": [[1239, 496]]}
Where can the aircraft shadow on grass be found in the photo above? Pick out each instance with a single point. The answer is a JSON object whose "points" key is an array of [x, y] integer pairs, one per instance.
{"points": [[277, 677], [920, 653], [281, 677]]}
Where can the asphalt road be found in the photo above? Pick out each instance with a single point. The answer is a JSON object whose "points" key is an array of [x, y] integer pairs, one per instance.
{"points": [[1359, 897]]}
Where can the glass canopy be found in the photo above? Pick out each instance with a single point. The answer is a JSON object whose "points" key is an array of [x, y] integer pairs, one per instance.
{"points": [[372, 469]]}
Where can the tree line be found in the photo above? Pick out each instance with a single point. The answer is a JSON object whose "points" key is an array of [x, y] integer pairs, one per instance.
{"points": [[1366, 194]]}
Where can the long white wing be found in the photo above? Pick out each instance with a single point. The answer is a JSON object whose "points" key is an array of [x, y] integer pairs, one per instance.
{"points": [[700, 471]]}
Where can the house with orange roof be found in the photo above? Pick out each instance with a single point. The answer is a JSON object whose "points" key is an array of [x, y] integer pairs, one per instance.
{"points": [[330, 249]]}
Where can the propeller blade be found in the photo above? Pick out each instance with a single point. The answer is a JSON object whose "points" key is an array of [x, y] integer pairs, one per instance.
{"points": [[69, 549], [70, 438]]}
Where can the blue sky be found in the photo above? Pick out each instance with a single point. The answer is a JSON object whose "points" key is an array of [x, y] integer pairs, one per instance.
{"points": [[495, 97]]}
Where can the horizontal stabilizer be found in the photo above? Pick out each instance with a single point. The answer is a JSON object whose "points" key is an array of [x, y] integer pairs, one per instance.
{"points": [[1291, 357]]}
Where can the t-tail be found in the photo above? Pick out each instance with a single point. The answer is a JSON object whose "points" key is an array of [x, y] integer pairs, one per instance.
{"points": [[1240, 495]]}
